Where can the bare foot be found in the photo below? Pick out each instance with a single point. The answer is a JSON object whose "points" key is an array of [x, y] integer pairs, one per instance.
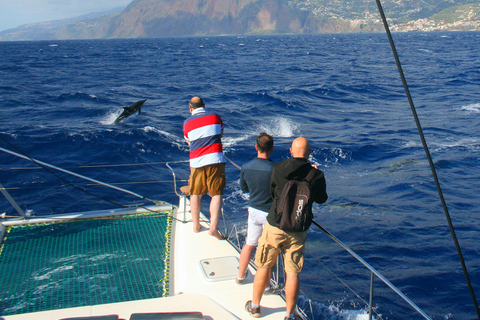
{"points": [[216, 234], [197, 230]]}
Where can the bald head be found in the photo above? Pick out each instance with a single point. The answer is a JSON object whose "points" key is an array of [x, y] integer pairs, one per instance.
{"points": [[300, 148], [196, 102]]}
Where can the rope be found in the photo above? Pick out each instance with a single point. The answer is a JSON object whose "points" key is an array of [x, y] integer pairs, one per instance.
{"points": [[234, 164], [45, 167], [91, 166], [93, 184], [430, 161]]}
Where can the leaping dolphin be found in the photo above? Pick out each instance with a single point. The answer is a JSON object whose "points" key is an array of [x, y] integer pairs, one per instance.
{"points": [[128, 111]]}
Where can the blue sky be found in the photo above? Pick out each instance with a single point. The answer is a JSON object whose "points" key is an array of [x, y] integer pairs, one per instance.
{"points": [[14, 13]]}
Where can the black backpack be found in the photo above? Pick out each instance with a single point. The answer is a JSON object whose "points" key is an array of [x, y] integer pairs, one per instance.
{"points": [[294, 209]]}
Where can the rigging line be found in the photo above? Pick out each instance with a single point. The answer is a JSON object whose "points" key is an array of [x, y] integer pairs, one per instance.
{"points": [[234, 164], [432, 166], [92, 184], [68, 183], [91, 166], [46, 167], [342, 282]]}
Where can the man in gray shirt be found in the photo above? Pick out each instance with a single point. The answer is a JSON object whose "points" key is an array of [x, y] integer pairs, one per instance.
{"points": [[255, 179]]}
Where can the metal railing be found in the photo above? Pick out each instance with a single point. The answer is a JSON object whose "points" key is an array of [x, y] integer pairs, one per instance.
{"points": [[373, 272]]}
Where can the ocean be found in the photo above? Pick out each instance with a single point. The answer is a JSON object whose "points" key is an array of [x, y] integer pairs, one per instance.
{"points": [[340, 91]]}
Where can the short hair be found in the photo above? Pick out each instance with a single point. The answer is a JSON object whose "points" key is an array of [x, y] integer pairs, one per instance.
{"points": [[264, 142], [196, 102]]}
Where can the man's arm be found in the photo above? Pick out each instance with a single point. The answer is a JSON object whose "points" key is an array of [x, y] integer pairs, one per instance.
{"points": [[185, 135], [320, 187], [243, 183]]}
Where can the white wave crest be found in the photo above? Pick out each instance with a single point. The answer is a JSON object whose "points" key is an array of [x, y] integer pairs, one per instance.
{"points": [[334, 312], [175, 140], [229, 141], [469, 143], [279, 127], [475, 108]]}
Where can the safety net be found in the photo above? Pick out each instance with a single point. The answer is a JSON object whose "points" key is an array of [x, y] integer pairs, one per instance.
{"points": [[80, 263]]}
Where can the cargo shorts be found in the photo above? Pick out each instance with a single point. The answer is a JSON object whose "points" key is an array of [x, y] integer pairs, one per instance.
{"points": [[209, 179], [271, 243]]}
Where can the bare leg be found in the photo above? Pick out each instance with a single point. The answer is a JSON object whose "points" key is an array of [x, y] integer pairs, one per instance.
{"points": [[261, 281], [245, 257], [215, 211], [195, 205], [292, 286]]}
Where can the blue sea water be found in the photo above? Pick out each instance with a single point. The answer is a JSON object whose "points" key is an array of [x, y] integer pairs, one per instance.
{"points": [[341, 91]]}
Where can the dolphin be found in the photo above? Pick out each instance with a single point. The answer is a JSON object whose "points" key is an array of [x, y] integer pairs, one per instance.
{"points": [[128, 111]]}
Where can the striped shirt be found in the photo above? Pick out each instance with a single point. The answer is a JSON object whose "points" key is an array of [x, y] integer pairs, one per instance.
{"points": [[204, 131]]}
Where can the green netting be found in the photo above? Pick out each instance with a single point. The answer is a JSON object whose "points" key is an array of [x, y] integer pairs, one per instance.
{"points": [[81, 263]]}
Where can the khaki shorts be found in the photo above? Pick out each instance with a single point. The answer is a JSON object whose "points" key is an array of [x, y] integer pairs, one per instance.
{"points": [[209, 179], [271, 243]]}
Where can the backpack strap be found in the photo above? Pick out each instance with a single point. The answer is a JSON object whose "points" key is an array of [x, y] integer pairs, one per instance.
{"points": [[311, 175]]}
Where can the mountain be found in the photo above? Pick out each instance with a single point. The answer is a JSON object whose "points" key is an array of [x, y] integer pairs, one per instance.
{"points": [[163, 18], [50, 30]]}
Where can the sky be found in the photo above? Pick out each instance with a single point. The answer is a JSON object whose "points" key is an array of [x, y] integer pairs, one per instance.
{"points": [[14, 13]]}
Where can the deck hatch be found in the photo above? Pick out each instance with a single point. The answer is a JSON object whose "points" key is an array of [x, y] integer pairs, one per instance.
{"points": [[222, 268]]}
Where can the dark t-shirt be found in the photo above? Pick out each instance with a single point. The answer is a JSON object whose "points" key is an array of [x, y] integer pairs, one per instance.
{"points": [[255, 178], [290, 169]]}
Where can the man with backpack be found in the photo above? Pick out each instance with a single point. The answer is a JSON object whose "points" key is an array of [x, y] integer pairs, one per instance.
{"points": [[291, 209]]}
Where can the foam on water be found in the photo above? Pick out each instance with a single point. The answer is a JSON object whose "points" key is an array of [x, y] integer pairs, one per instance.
{"points": [[473, 108], [471, 143], [333, 312], [279, 126], [175, 140], [230, 141]]}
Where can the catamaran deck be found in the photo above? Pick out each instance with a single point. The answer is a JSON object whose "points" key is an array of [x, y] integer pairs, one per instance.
{"points": [[202, 279], [205, 265]]}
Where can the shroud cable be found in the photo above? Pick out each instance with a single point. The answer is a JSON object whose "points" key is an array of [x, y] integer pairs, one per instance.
{"points": [[430, 161]]}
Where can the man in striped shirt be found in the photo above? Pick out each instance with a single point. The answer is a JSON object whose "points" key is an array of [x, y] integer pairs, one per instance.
{"points": [[203, 132]]}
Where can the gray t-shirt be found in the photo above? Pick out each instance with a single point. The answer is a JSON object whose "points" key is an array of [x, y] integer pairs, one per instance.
{"points": [[255, 178]]}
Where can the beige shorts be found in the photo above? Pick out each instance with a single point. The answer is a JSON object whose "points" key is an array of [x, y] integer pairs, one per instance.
{"points": [[209, 179], [271, 243]]}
